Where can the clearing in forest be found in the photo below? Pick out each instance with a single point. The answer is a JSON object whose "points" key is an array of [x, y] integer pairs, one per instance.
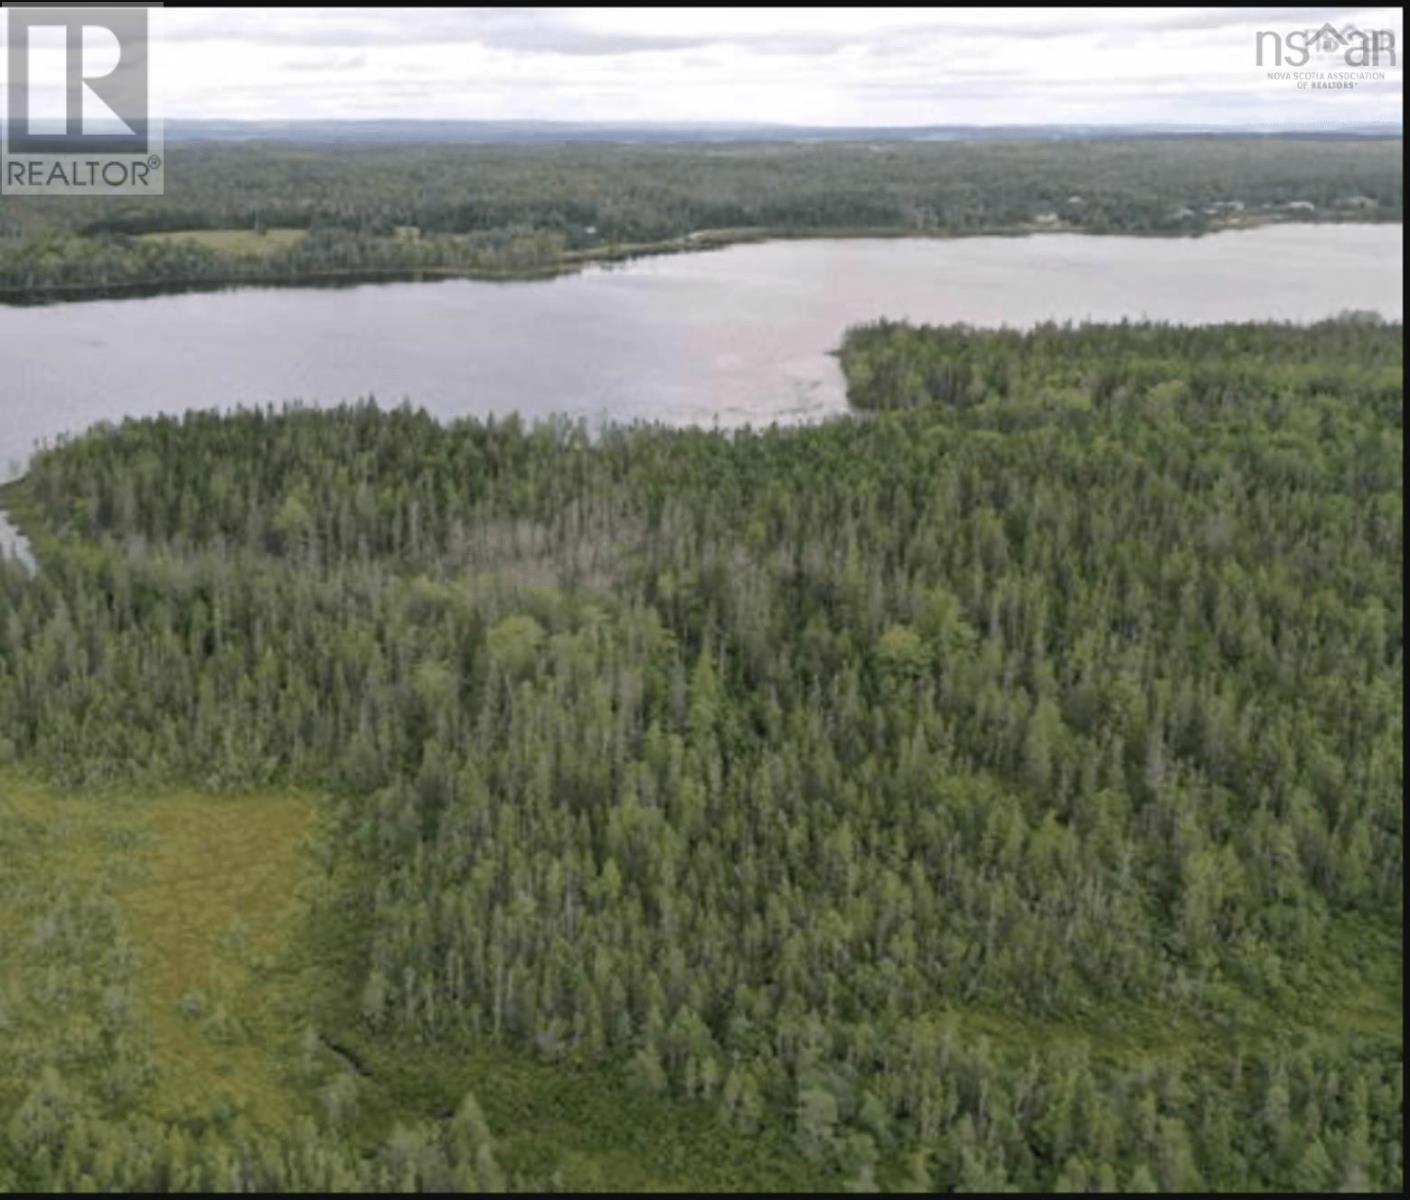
{"points": [[231, 241], [176, 906]]}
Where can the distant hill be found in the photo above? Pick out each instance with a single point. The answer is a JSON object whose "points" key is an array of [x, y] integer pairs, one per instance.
{"points": [[345, 132]]}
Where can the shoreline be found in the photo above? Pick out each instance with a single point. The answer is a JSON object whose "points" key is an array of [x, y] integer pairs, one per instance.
{"points": [[572, 262], [16, 540]]}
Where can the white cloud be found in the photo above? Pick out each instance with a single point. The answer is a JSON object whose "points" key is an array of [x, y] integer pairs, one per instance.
{"points": [[821, 66]]}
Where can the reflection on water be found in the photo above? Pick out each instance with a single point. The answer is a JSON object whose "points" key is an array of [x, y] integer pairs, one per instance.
{"points": [[737, 336]]}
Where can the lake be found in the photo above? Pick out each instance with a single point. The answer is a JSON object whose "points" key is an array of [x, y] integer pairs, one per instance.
{"points": [[726, 337]]}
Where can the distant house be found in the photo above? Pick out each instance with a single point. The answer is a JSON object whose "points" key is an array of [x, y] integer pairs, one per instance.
{"points": [[1075, 201], [1300, 206], [1182, 213], [1045, 218], [1365, 202]]}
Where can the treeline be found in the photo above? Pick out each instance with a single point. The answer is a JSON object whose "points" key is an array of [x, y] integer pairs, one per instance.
{"points": [[51, 266], [1060, 696], [467, 203]]}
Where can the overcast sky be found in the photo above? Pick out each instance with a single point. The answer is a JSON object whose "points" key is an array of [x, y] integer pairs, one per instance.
{"points": [[822, 66]]}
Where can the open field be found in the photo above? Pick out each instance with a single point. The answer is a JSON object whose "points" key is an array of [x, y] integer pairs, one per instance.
{"points": [[235, 242], [201, 893]]}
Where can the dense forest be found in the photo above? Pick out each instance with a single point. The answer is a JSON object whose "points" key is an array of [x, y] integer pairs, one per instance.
{"points": [[504, 209], [997, 789]]}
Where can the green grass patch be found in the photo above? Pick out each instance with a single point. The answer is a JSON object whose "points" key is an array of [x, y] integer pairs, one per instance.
{"points": [[256, 242], [202, 892], [210, 911]]}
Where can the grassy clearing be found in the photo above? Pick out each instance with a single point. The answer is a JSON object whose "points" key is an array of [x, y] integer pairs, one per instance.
{"points": [[260, 243], [210, 912], [203, 890]]}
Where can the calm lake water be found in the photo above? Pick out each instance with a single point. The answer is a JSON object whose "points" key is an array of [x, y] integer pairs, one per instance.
{"points": [[730, 337]]}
